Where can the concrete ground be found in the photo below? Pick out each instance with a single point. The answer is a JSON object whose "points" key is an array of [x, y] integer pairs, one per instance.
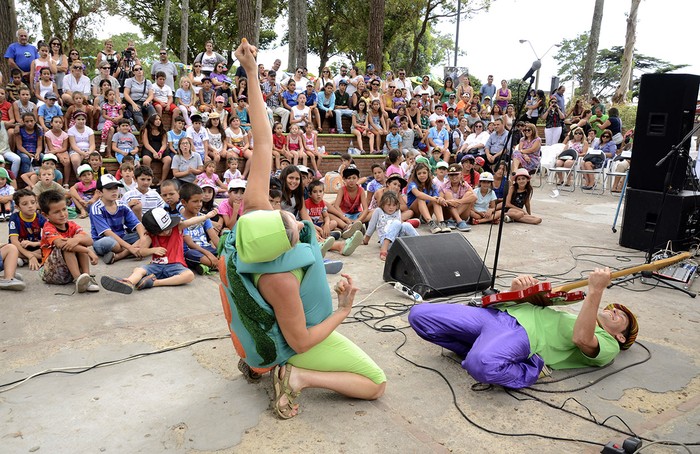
{"points": [[194, 400]]}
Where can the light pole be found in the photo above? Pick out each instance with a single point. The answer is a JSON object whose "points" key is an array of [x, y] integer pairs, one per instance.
{"points": [[537, 74]]}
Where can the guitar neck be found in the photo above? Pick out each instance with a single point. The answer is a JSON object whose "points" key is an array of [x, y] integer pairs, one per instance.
{"points": [[653, 266]]}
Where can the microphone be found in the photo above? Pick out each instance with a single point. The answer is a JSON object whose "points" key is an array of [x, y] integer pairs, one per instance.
{"points": [[537, 64]]}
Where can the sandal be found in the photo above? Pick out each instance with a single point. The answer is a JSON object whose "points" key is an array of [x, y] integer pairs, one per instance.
{"points": [[249, 374], [382, 255], [284, 411], [117, 285], [146, 282]]}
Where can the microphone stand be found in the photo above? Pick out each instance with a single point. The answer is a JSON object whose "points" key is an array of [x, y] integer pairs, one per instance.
{"points": [[507, 158]]}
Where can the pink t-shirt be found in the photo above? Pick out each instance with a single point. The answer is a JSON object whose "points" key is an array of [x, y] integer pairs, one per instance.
{"points": [[392, 169], [56, 141], [225, 209], [202, 179]]}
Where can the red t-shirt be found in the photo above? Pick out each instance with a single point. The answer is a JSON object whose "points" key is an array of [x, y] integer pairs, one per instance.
{"points": [[5, 110], [279, 141], [174, 245], [316, 210], [50, 233]]}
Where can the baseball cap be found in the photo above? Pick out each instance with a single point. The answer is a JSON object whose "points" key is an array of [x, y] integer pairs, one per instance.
{"points": [[107, 181], [4, 174], [214, 115], [49, 157], [632, 329], [2, 159], [422, 160], [303, 169], [342, 82], [242, 97], [479, 161], [454, 168], [237, 183], [226, 80], [351, 170], [50, 95], [370, 66], [467, 157], [442, 165], [158, 220], [452, 95], [398, 178], [207, 184], [309, 84], [486, 176], [219, 99], [84, 168]]}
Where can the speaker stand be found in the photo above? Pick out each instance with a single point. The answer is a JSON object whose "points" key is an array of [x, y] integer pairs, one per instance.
{"points": [[657, 281]]}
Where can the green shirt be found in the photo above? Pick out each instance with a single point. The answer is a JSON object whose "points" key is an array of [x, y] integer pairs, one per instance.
{"points": [[596, 126], [550, 333]]}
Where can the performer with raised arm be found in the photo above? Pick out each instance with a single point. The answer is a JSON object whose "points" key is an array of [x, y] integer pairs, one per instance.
{"points": [[511, 345], [274, 283]]}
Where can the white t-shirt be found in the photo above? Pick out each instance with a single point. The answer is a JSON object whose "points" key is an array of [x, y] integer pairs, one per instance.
{"points": [[82, 85], [300, 113], [161, 94], [198, 138], [150, 200], [82, 139]]}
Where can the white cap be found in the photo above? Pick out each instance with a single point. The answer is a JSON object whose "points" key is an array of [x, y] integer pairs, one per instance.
{"points": [[442, 165], [2, 159], [303, 169], [237, 183], [107, 181], [84, 168], [486, 176], [49, 157]]}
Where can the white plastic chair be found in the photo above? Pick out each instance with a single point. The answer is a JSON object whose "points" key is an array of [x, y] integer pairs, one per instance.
{"points": [[610, 173]]}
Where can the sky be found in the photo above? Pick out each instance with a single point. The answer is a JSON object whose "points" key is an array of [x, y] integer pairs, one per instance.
{"points": [[666, 29]]}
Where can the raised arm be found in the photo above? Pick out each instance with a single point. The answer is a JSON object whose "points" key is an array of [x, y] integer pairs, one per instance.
{"points": [[256, 195], [586, 322]]}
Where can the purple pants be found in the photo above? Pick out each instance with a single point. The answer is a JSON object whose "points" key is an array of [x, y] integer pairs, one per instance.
{"points": [[494, 346]]}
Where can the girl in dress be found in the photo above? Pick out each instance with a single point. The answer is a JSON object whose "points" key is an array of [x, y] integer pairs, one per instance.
{"points": [[185, 98], [312, 150], [360, 126], [217, 139], [44, 61], [518, 201], [111, 114], [154, 143], [295, 144]]}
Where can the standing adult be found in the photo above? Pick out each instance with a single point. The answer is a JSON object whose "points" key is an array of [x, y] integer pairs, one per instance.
{"points": [[76, 81], [404, 82], [167, 67], [21, 54], [599, 121], [465, 86], [138, 94], [299, 80], [109, 55], [559, 95], [488, 89], [554, 119], [353, 81], [209, 59], [276, 65], [503, 96], [59, 59], [273, 98], [342, 75], [495, 145], [125, 67]]}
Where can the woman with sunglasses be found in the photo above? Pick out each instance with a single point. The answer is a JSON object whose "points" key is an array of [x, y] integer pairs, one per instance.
{"points": [[138, 94], [218, 75], [195, 76], [605, 149], [325, 78], [528, 154], [554, 120], [76, 81], [209, 59], [474, 143], [576, 146], [59, 59]]}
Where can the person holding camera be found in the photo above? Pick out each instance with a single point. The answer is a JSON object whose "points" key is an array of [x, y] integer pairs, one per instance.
{"points": [[554, 119], [125, 67]]}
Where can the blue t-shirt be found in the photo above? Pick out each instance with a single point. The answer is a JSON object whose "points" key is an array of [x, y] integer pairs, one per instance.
{"points": [[439, 137], [290, 98], [26, 229], [185, 96], [49, 112], [410, 197], [102, 220], [175, 138], [198, 233], [310, 98], [23, 55], [393, 141]]}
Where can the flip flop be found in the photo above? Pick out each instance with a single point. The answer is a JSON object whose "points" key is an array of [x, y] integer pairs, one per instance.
{"points": [[117, 285], [282, 388], [146, 282]]}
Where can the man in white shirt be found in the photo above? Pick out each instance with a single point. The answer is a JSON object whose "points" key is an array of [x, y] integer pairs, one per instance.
{"points": [[403, 82]]}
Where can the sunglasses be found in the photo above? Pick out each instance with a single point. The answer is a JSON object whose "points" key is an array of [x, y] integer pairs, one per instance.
{"points": [[197, 66], [55, 44], [478, 126], [77, 67], [138, 69], [163, 53], [605, 135], [579, 133]]}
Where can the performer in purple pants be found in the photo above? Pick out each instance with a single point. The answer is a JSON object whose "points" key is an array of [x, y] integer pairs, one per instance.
{"points": [[510, 346]]}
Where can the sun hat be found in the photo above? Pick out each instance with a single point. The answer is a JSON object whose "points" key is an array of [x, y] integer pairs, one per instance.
{"points": [[522, 173]]}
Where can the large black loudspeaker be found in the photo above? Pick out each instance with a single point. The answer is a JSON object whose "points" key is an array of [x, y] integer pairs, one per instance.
{"points": [[679, 222], [665, 115], [436, 265]]}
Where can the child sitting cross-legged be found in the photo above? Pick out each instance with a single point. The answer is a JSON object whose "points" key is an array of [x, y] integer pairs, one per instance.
{"points": [[10, 280], [201, 239], [165, 242], [25, 229], [386, 220], [65, 247]]}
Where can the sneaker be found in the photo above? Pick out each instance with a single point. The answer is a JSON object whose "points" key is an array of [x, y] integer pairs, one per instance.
{"points": [[545, 372], [434, 228], [444, 228], [463, 227], [117, 285], [82, 282], [507, 218], [332, 266], [200, 269], [19, 276], [92, 286], [352, 243], [20, 262], [2, 217], [108, 258], [13, 284], [414, 222], [336, 234], [451, 223], [327, 245], [351, 229]]}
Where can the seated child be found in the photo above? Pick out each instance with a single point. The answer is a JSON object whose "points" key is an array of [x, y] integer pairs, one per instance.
{"points": [[83, 193], [201, 240], [8, 264], [6, 193], [46, 181], [210, 177], [386, 220], [231, 208], [165, 242], [126, 171], [25, 229], [143, 199], [324, 224], [209, 204], [124, 142], [484, 209], [169, 192], [232, 172], [49, 159], [109, 219], [64, 247], [350, 199]]}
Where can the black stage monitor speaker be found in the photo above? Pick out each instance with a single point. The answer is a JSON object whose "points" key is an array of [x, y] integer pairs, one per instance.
{"points": [[436, 265], [665, 114], [679, 222]]}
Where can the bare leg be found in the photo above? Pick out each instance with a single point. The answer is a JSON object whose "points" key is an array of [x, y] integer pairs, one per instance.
{"points": [[167, 160], [72, 263], [183, 278], [83, 262]]}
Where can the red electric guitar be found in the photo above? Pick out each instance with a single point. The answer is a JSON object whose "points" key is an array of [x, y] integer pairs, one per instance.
{"points": [[543, 294]]}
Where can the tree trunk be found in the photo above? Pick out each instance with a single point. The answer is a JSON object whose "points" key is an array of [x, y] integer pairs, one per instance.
{"points": [[620, 96], [292, 35], [375, 35], [592, 50], [8, 34], [184, 31], [418, 37], [302, 38], [166, 24], [248, 12]]}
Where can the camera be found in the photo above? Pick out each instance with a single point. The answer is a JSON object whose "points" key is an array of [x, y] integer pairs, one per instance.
{"points": [[128, 53]]}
